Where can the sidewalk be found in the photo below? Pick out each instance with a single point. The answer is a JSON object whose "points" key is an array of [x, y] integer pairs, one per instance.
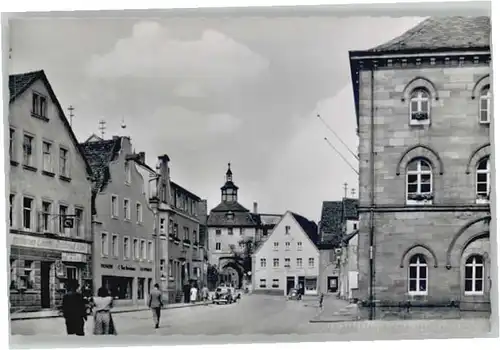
{"points": [[336, 310], [118, 309]]}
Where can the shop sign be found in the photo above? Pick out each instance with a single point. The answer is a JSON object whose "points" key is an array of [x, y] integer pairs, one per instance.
{"points": [[49, 243], [147, 269], [73, 257], [60, 269], [126, 268], [107, 266]]}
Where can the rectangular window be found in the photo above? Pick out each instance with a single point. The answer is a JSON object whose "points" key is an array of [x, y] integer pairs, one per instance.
{"points": [[104, 244], [276, 262], [218, 232], [138, 212], [186, 233], [79, 224], [311, 262], [218, 246], [287, 245], [63, 162], [162, 225], [136, 248], [39, 105], [114, 206], [262, 262], [46, 216], [28, 277], [276, 283], [126, 208], [355, 226], [299, 245], [114, 245], [71, 273], [151, 252], [143, 250], [311, 284], [12, 199], [262, 283], [287, 262], [299, 262], [126, 247], [47, 156], [63, 212], [128, 173], [276, 245], [27, 213], [12, 142], [287, 230], [28, 150]]}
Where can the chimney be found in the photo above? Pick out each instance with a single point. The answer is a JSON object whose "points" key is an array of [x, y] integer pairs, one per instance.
{"points": [[255, 208], [142, 157], [164, 172]]}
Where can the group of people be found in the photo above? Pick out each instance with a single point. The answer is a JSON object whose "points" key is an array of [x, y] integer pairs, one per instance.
{"points": [[75, 306]]}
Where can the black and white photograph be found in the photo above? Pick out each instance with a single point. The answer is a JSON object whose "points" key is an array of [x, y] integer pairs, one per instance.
{"points": [[279, 172]]}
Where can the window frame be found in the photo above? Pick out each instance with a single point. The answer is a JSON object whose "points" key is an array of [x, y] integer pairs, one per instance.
{"points": [[136, 252], [126, 246], [61, 229], [138, 212], [79, 226], [115, 251], [64, 162], [115, 211], [31, 215], [483, 198], [474, 265], [12, 144], [126, 209], [485, 97], [46, 216], [39, 105], [417, 96], [310, 262], [417, 265], [104, 240], [50, 167], [262, 283], [29, 158], [218, 246], [276, 263], [419, 173], [151, 251], [12, 209], [128, 172], [263, 263]]}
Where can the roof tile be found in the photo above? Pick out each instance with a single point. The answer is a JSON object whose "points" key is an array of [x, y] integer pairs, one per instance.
{"points": [[309, 227]]}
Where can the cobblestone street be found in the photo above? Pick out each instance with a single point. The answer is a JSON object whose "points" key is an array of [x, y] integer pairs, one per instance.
{"points": [[259, 314]]}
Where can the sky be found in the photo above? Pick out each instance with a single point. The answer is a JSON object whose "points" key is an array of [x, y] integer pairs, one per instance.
{"points": [[209, 91]]}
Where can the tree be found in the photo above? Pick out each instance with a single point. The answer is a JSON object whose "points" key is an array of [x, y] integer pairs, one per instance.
{"points": [[243, 256], [212, 275]]}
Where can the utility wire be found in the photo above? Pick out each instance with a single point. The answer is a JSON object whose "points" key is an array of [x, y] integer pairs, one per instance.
{"points": [[337, 136], [340, 154]]}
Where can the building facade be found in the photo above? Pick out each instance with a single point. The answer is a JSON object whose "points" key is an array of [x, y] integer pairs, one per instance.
{"points": [[50, 236], [234, 233], [123, 222], [423, 105], [289, 258], [348, 266]]}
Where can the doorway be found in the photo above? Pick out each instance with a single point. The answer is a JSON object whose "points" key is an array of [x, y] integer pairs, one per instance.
{"points": [[45, 284], [290, 284], [301, 284], [333, 284]]}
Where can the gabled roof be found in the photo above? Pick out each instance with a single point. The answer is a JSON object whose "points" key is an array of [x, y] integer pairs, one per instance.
{"points": [[99, 154], [437, 33], [229, 206], [308, 227], [94, 137], [333, 216], [19, 83], [174, 184]]}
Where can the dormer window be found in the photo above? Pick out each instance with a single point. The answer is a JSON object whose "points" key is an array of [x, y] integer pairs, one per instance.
{"points": [[230, 215], [419, 107], [39, 106]]}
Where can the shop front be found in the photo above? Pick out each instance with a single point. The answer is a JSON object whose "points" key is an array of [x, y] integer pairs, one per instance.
{"points": [[127, 283], [41, 269]]}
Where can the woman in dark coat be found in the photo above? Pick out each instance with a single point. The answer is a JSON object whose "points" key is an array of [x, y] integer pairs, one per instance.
{"points": [[74, 311]]}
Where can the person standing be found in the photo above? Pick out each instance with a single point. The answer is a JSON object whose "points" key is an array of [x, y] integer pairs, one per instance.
{"points": [[193, 293], [155, 303], [103, 321], [74, 311], [204, 292]]}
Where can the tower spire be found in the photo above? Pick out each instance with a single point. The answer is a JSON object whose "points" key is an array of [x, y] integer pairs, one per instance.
{"points": [[102, 127]]}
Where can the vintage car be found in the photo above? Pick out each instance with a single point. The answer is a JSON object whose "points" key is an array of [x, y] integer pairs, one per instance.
{"points": [[294, 294], [223, 295]]}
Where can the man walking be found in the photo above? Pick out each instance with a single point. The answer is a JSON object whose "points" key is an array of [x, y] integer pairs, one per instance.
{"points": [[74, 311], [155, 303]]}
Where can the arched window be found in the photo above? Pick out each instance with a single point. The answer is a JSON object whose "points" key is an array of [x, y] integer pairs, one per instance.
{"points": [[483, 181], [484, 105], [474, 275], [420, 107], [417, 275], [419, 182]]}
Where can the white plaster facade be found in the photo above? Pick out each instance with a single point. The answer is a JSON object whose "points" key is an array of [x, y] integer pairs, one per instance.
{"points": [[297, 259]]}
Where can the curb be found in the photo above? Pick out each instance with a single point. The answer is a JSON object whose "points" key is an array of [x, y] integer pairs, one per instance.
{"points": [[174, 306]]}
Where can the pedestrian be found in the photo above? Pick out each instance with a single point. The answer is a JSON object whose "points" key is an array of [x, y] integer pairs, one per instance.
{"points": [[74, 310], [155, 303], [205, 293], [103, 320], [321, 296], [194, 293]]}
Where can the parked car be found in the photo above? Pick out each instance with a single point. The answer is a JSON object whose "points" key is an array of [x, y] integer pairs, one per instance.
{"points": [[294, 294], [223, 295]]}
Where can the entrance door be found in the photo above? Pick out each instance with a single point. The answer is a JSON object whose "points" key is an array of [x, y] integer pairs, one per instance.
{"points": [[333, 284], [301, 284], [45, 284], [290, 284]]}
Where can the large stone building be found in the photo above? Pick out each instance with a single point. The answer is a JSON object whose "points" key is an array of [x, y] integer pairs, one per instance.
{"points": [[423, 105], [235, 231], [123, 222], [50, 236]]}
